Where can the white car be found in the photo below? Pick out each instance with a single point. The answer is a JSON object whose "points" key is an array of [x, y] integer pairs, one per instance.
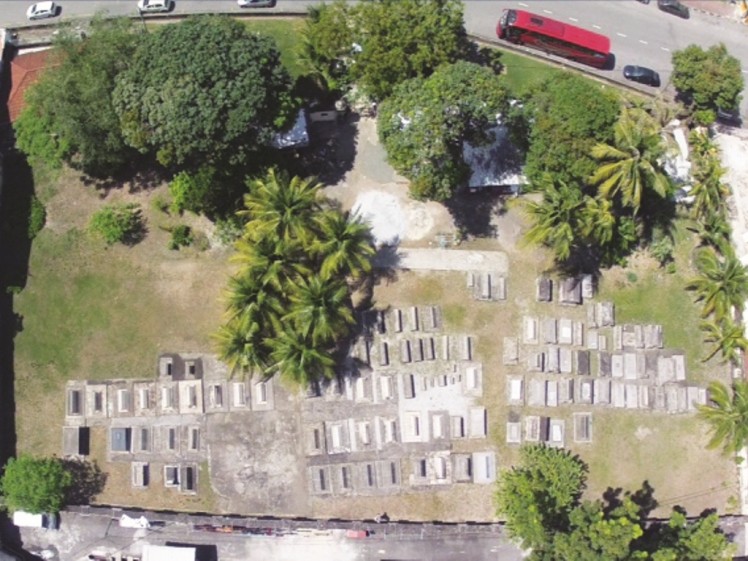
{"points": [[256, 3], [42, 10], [155, 5]]}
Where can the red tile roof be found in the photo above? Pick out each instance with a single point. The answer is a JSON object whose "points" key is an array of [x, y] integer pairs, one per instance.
{"points": [[25, 69]]}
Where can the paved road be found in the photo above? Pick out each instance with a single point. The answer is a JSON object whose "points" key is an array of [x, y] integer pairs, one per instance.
{"points": [[83, 534], [640, 34]]}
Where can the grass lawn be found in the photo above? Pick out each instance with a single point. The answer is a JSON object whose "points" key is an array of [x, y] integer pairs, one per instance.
{"points": [[287, 33]]}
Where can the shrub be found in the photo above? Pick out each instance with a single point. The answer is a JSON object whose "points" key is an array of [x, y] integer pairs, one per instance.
{"points": [[121, 223], [35, 484], [37, 217], [181, 236], [228, 230]]}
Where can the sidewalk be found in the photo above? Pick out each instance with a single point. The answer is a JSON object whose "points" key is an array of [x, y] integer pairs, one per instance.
{"points": [[719, 8]]}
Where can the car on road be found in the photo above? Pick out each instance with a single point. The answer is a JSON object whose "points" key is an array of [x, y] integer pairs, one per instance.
{"points": [[642, 75], [674, 7], [42, 10], [256, 3], [153, 6]]}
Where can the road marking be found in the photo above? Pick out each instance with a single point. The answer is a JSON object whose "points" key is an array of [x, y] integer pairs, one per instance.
{"points": [[621, 35], [665, 49], [596, 26], [744, 71], [547, 11], [573, 19], [643, 42], [523, 5]]}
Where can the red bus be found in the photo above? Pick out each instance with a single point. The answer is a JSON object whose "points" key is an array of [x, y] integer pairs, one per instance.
{"points": [[552, 36]]}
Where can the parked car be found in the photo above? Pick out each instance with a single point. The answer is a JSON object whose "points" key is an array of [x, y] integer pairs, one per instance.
{"points": [[152, 6], [674, 7], [47, 521], [42, 10], [642, 75], [643, 1], [256, 3]]}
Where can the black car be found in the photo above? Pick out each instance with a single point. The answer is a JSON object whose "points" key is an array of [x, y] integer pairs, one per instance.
{"points": [[674, 7], [642, 75], [729, 116]]}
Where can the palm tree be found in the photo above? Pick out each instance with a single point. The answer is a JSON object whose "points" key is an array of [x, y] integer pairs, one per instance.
{"points": [[344, 245], [727, 337], [280, 208], [298, 361], [319, 309], [708, 190], [714, 231], [240, 344], [253, 301], [630, 166], [556, 219], [727, 415], [723, 284], [599, 220]]}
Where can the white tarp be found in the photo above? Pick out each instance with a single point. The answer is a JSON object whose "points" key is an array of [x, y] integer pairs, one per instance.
{"points": [[28, 520], [168, 553], [128, 522]]}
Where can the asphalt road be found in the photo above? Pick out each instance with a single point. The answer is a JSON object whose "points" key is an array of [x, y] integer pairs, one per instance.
{"points": [[640, 34]]}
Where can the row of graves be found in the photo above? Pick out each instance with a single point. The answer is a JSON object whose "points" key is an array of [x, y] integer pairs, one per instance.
{"points": [[391, 424], [558, 362], [158, 425]]}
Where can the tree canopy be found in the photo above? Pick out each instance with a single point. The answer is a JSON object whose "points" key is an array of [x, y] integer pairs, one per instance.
{"points": [[288, 309], [540, 499], [707, 79], [566, 117], [69, 115], [203, 91], [426, 121], [35, 485], [380, 44]]}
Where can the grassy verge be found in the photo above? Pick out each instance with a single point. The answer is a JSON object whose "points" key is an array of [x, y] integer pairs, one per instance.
{"points": [[287, 34]]}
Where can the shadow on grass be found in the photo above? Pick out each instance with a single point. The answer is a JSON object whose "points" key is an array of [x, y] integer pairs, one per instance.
{"points": [[88, 481], [474, 212]]}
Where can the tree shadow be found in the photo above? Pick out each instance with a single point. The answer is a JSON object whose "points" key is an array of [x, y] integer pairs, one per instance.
{"points": [[88, 481], [473, 212], [141, 175], [643, 498]]}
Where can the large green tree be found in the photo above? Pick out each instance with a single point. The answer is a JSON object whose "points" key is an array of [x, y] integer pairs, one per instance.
{"points": [[35, 485], [69, 114], [629, 167], [380, 44], [540, 499], [425, 122], [707, 79], [566, 116], [205, 90]]}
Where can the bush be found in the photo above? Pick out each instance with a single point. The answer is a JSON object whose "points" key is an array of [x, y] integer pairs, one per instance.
{"points": [[35, 484], [228, 230], [181, 236], [118, 223], [160, 203], [37, 217]]}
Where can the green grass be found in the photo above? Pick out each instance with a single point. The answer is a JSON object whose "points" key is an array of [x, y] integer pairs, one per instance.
{"points": [[287, 33]]}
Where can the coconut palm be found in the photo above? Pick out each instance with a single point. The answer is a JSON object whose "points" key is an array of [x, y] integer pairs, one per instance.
{"points": [[298, 360], [708, 191], [630, 168], [319, 309], [274, 262], [556, 218], [599, 220], [727, 337], [722, 284], [280, 208], [727, 415], [714, 231], [248, 298], [344, 245], [240, 344]]}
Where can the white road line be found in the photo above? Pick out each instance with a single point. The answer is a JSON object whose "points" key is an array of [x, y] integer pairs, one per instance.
{"points": [[523, 5], [573, 19], [621, 35], [596, 26], [547, 12], [665, 49], [643, 42]]}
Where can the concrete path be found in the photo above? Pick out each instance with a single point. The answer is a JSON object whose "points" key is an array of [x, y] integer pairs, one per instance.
{"points": [[442, 260]]}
